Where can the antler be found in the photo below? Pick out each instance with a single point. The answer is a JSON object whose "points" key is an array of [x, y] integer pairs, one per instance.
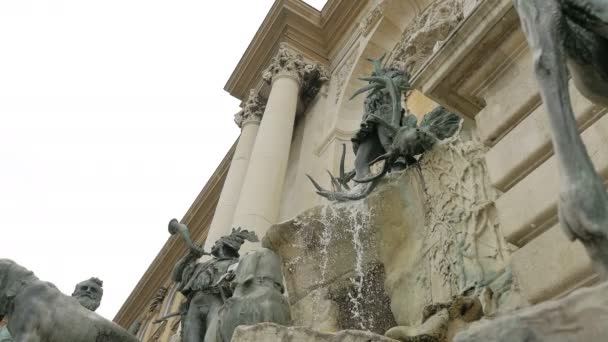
{"points": [[388, 159]]}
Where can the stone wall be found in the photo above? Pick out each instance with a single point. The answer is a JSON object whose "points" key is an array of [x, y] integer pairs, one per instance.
{"points": [[422, 237]]}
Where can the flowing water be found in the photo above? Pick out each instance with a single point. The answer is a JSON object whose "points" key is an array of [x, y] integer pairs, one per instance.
{"points": [[348, 221]]}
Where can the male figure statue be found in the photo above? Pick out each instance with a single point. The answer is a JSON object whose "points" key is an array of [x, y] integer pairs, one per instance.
{"points": [[88, 293], [204, 284]]}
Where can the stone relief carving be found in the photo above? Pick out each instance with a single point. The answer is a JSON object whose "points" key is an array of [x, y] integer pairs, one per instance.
{"points": [[158, 299], [342, 74], [463, 239], [440, 321], [370, 20], [253, 109], [426, 34]]}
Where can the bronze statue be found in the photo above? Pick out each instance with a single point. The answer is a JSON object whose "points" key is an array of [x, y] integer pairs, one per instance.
{"points": [[38, 312], [205, 285], [571, 37], [257, 296], [89, 293], [387, 133]]}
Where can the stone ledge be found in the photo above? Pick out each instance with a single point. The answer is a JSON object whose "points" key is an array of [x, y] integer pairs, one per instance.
{"points": [[550, 266], [530, 207], [270, 332], [529, 143], [580, 316]]}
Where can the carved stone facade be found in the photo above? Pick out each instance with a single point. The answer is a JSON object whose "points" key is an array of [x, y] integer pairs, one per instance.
{"points": [[426, 33], [473, 219], [371, 19], [252, 111], [311, 75], [343, 71]]}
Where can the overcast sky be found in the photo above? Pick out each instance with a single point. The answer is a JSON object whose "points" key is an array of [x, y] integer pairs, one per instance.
{"points": [[112, 119]]}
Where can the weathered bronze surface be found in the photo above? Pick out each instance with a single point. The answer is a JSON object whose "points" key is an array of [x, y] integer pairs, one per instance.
{"points": [[388, 133], [569, 37]]}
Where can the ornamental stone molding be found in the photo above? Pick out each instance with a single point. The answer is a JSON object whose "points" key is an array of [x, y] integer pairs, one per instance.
{"points": [[252, 111], [370, 20], [158, 299], [427, 33], [286, 62]]}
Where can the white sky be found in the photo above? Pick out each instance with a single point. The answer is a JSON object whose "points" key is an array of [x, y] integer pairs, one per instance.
{"points": [[112, 118]]}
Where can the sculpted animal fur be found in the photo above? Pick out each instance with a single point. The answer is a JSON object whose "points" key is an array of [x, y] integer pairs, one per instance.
{"points": [[38, 312]]}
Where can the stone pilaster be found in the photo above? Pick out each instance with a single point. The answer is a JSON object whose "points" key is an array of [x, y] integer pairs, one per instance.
{"points": [[248, 119], [290, 77]]}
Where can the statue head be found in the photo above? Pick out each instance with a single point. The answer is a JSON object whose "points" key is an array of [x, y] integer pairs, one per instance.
{"points": [[228, 246], [89, 293]]}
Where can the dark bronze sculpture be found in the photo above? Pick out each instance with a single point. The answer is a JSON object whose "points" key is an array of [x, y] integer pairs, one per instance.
{"points": [[387, 133], [89, 293], [206, 285], [38, 312], [258, 296], [571, 36]]}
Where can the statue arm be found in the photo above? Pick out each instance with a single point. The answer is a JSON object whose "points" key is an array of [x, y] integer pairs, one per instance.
{"points": [[178, 269]]}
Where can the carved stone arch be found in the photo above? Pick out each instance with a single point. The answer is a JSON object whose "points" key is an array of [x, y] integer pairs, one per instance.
{"points": [[380, 31]]}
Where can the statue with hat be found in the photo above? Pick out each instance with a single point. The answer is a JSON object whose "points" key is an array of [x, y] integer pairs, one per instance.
{"points": [[206, 285]]}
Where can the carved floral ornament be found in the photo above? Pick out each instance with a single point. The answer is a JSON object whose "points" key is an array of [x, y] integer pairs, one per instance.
{"points": [[367, 24], [310, 75], [426, 34], [253, 109]]}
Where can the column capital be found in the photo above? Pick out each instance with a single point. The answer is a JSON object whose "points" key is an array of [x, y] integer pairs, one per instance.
{"points": [[287, 63], [252, 111]]}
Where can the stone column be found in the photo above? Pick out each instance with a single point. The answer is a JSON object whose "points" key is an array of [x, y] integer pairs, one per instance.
{"points": [[259, 202], [248, 120]]}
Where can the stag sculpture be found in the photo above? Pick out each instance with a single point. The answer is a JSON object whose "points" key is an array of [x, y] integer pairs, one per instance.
{"points": [[388, 133], [572, 36]]}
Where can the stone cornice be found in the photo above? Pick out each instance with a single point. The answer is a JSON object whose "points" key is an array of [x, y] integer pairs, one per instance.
{"points": [[446, 76], [304, 28], [197, 218]]}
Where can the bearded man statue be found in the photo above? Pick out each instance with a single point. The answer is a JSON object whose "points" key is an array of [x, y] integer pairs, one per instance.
{"points": [[89, 293]]}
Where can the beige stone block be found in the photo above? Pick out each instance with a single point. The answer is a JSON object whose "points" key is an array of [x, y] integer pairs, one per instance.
{"points": [[530, 207], [419, 104], [316, 311], [529, 143], [511, 95], [270, 332], [551, 265]]}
